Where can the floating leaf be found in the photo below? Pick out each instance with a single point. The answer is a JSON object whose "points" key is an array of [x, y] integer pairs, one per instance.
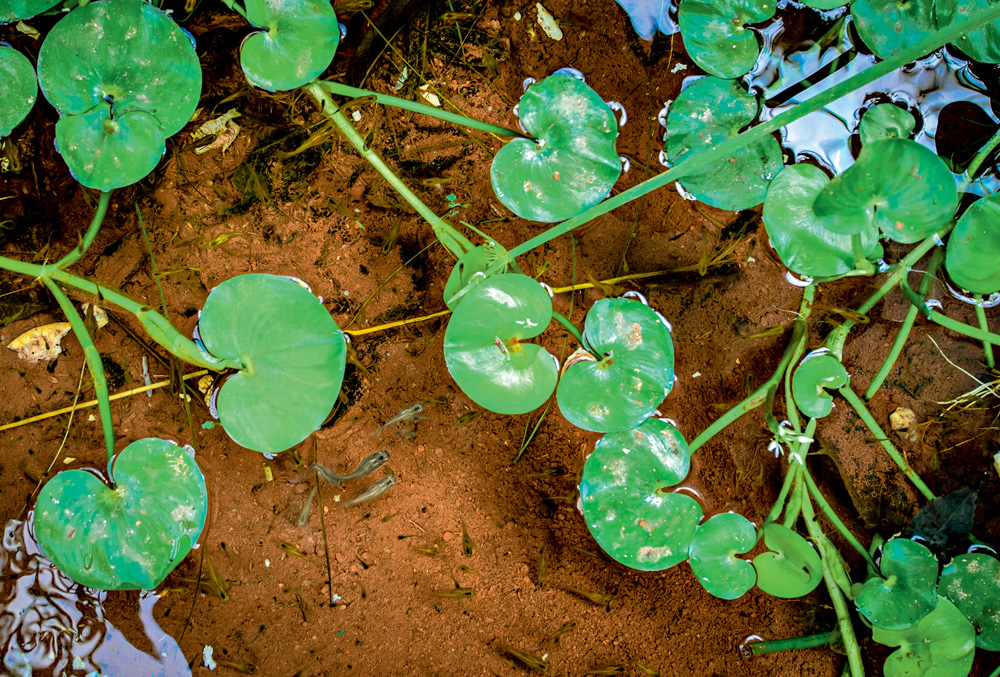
{"points": [[123, 77], [15, 10], [944, 523], [649, 15], [798, 236], [707, 113], [716, 35], [888, 27], [972, 582], [627, 505], [794, 568], [942, 644], [572, 163], [299, 40], [713, 555], [973, 254], [472, 266], [484, 349], [817, 373], [18, 88], [294, 356], [631, 373], [896, 184], [130, 535], [908, 591], [982, 44], [885, 121]]}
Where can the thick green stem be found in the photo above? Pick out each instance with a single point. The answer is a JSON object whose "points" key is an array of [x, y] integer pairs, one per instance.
{"points": [[970, 172], [759, 396], [981, 318], [94, 364], [838, 524], [235, 6], [413, 106], [158, 328], [767, 646], [794, 507], [790, 479], [945, 321], [451, 238], [570, 327], [898, 458], [88, 237]]}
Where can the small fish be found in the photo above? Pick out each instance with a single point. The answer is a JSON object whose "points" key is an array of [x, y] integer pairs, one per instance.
{"points": [[526, 659], [550, 471], [467, 544], [568, 626], [591, 596], [377, 489], [307, 508], [649, 671], [292, 550], [410, 413], [238, 666], [588, 553], [454, 593], [368, 465], [431, 551], [606, 670], [466, 419], [543, 564]]}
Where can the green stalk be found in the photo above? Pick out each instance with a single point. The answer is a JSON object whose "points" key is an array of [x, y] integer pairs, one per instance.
{"points": [[904, 330], [451, 238], [970, 172], [94, 364], [981, 318], [571, 328], [838, 524], [158, 328], [945, 321], [707, 158], [88, 238], [898, 458], [765, 647], [414, 107], [794, 507], [759, 396], [235, 6], [790, 476]]}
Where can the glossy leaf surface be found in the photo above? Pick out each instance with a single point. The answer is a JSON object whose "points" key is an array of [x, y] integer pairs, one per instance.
{"points": [[908, 591], [716, 35], [484, 348], [18, 88], [15, 10], [885, 121], [896, 184], [942, 644], [705, 114], [713, 555], [472, 266], [633, 372], [571, 164], [799, 236], [123, 77], [982, 44], [792, 568], [297, 43], [627, 505], [972, 583], [294, 356], [973, 254], [814, 376], [131, 536]]}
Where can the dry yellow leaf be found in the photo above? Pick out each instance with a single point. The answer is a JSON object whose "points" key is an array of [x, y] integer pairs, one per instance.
{"points": [[40, 343]]}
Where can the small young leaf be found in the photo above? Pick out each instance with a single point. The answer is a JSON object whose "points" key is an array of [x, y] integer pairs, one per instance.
{"points": [[885, 121], [299, 40], [472, 266], [972, 582], [716, 35], [942, 644], [973, 254], [907, 589], [18, 88], [794, 568], [944, 523], [713, 555], [816, 374]]}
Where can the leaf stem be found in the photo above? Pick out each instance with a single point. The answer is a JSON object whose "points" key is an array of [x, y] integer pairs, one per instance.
{"points": [[571, 328], [838, 524], [981, 318], [88, 237], [790, 476], [970, 172], [945, 321], [766, 646], [235, 6]]}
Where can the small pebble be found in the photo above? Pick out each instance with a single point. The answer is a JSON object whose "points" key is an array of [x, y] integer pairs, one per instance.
{"points": [[447, 536]]}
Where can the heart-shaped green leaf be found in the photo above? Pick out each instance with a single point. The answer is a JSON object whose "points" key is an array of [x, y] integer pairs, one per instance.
{"points": [[293, 353], [470, 268], [794, 567], [18, 88], [15, 10], [982, 44], [896, 184], [297, 44], [716, 35], [972, 582], [907, 589], [131, 535], [483, 346], [973, 255], [713, 555], [632, 372], [798, 236], [818, 372], [123, 77], [942, 644], [571, 164], [705, 114], [627, 505], [885, 121]]}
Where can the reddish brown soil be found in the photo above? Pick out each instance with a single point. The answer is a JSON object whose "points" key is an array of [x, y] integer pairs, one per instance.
{"points": [[327, 225]]}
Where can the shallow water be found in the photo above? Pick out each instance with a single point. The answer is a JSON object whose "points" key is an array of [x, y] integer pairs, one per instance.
{"points": [[51, 625]]}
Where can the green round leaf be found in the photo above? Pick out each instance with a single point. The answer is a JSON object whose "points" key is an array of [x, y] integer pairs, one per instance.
{"points": [[123, 77], [483, 346], [817, 373], [570, 165], [972, 582], [713, 555], [973, 254], [293, 353], [297, 44], [18, 88], [15, 10], [982, 44], [704, 115], [716, 35], [626, 504], [896, 184], [798, 236], [131, 536], [888, 27], [631, 374], [794, 568], [908, 591], [885, 121], [470, 268], [942, 644]]}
